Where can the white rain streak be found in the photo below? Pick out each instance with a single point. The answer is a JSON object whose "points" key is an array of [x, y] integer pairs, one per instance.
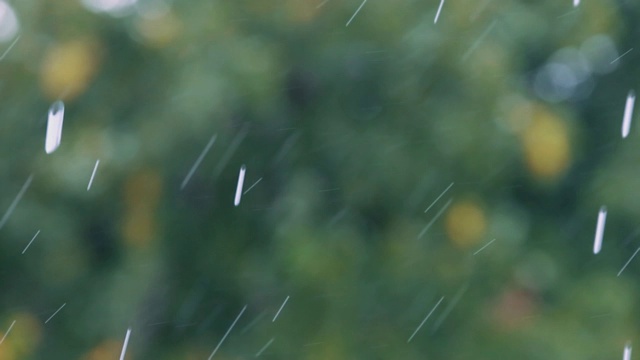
{"points": [[628, 113], [264, 347], [576, 3], [231, 150], [286, 147], [602, 219], [54, 127], [620, 57], [54, 314], [425, 320], [253, 323], [356, 13], [322, 4], [8, 331], [251, 187], [29, 244], [439, 196], [15, 202], [477, 43], [198, 161], [9, 48], [435, 218], [628, 262], [93, 174], [124, 346], [438, 12], [227, 333], [281, 307], [482, 248], [627, 352], [450, 307], [243, 170], [479, 10]]}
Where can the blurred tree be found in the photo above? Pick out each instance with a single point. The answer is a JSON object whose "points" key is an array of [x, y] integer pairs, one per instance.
{"points": [[352, 132]]}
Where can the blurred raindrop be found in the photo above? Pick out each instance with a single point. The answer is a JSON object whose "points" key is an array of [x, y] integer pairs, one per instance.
{"points": [[9, 24], [555, 82], [112, 7], [566, 75], [600, 52], [54, 127]]}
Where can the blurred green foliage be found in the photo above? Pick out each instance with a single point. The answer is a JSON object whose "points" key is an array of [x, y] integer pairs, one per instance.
{"points": [[348, 133]]}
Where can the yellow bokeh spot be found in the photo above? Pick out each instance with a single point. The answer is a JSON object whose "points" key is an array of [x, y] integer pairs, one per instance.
{"points": [[159, 31], [546, 145], [301, 11], [24, 337], [6, 351], [141, 196], [68, 68], [106, 350], [517, 112], [465, 224]]}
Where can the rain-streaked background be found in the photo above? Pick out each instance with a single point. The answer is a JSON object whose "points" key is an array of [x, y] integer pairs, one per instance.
{"points": [[423, 179]]}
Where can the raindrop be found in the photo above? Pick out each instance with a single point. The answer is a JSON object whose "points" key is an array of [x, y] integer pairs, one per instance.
{"points": [[116, 8], [627, 352], [54, 127], [243, 170], [628, 113], [602, 218], [9, 24], [124, 346], [438, 12]]}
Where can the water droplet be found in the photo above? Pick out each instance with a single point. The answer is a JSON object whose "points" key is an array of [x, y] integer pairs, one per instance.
{"points": [[602, 218], [54, 127]]}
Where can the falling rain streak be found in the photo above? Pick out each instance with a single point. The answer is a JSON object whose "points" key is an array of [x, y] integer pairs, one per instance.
{"points": [[620, 57], [627, 352], [29, 244], [322, 4], [264, 347], [7, 333], [9, 48], [54, 314], [227, 333], [198, 161], [15, 202], [54, 127], [231, 150], [124, 346], [356, 13], [450, 307], [576, 3], [236, 201], [435, 218], [477, 43], [602, 218], [628, 262], [482, 248], [93, 174], [438, 12], [251, 187], [439, 196], [425, 320], [281, 307], [628, 113]]}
